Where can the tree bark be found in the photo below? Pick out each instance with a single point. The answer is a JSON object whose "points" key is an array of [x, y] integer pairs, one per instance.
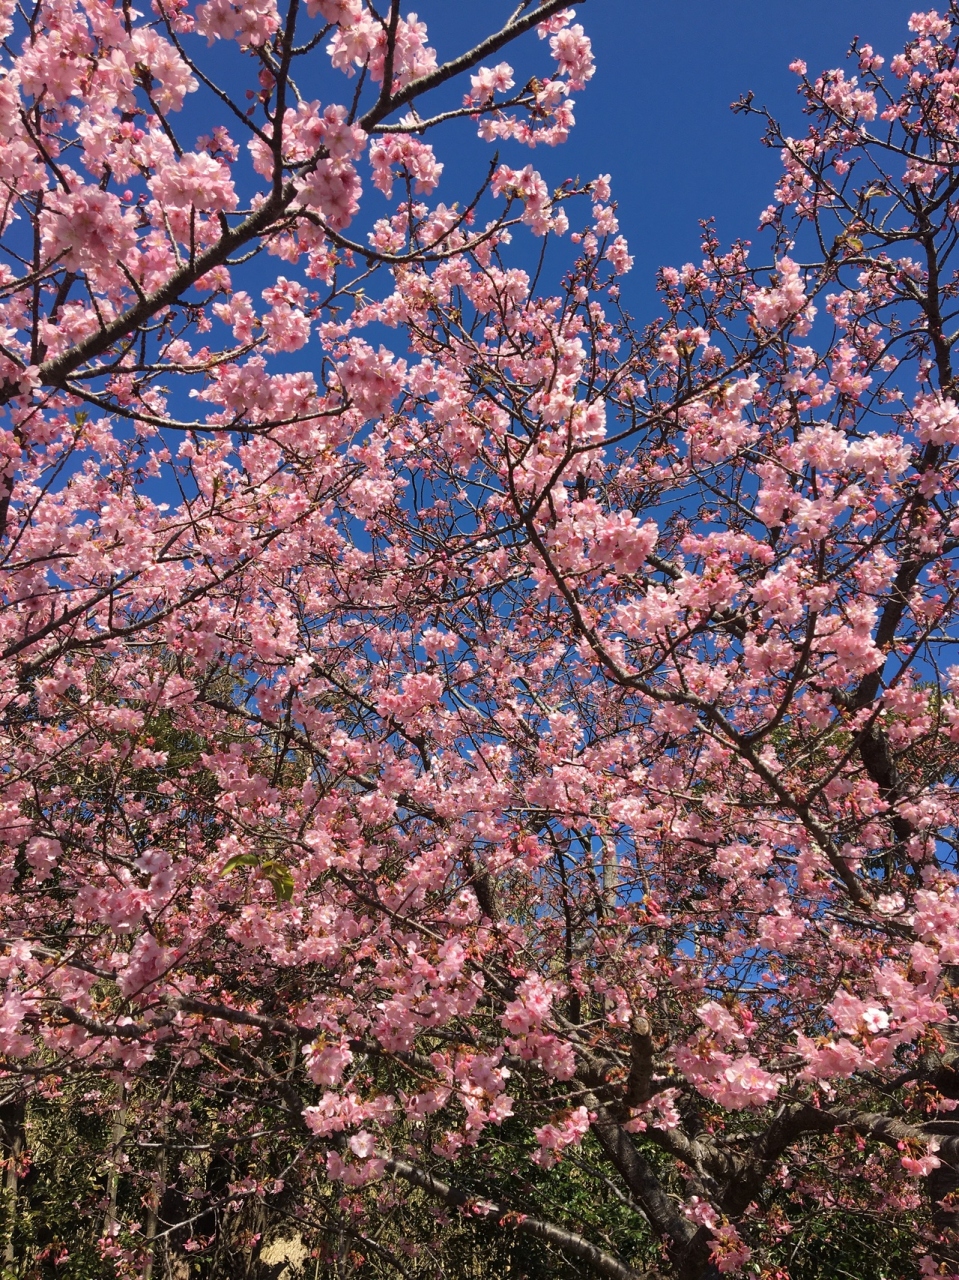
{"points": [[12, 1116], [113, 1178], [942, 1185], [569, 1243]]}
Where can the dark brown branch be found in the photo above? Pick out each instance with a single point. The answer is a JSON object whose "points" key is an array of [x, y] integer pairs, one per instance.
{"points": [[568, 1242]]}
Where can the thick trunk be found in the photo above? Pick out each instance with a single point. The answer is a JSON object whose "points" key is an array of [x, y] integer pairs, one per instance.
{"points": [[695, 1262]]}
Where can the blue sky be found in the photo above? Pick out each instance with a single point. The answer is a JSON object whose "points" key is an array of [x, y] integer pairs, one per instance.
{"points": [[656, 115]]}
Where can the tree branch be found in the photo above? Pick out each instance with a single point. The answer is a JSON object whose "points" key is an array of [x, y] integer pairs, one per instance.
{"points": [[568, 1242]]}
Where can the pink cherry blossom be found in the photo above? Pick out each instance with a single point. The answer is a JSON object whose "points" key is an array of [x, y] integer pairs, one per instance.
{"points": [[442, 716]]}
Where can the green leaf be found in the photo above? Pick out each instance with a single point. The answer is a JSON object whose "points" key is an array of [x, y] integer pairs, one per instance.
{"points": [[241, 860], [279, 876]]}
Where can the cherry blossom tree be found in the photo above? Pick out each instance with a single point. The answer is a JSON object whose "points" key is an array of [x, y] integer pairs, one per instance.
{"points": [[536, 736]]}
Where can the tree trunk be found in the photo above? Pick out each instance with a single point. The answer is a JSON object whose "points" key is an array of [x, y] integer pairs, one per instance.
{"points": [[153, 1218], [942, 1185], [12, 1116], [113, 1178]]}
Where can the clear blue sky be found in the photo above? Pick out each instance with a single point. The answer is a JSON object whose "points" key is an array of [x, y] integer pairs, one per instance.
{"points": [[656, 116]]}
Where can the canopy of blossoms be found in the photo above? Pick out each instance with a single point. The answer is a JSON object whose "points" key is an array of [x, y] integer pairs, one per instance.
{"points": [[433, 708]]}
